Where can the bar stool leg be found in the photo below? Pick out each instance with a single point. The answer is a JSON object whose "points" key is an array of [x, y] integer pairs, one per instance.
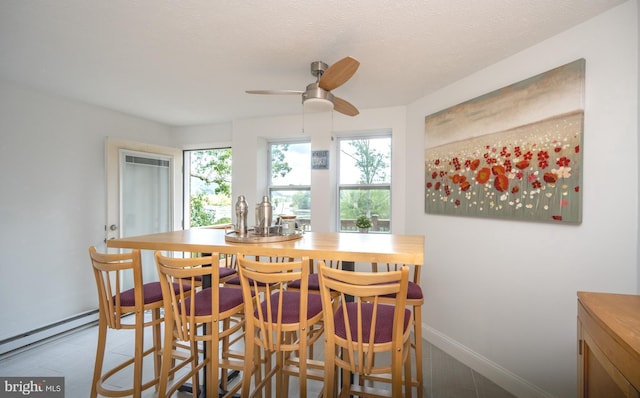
{"points": [[157, 344], [417, 335], [139, 350], [97, 370]]}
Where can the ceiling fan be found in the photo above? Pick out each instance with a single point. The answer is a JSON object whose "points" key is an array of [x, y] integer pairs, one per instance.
{"points": [[327, 79]]}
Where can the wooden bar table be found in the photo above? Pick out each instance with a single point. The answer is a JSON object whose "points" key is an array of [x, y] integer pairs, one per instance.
{"points": [[351, 247], [348, 248]]}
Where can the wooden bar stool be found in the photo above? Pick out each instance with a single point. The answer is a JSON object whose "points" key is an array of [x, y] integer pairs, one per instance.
{"points": [[415, 300], [358, 328], [114, 303], [280, 323], [211, 315], [314, 284]]}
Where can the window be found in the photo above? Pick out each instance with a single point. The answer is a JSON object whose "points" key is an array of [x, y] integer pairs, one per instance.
{"points": [[364, 186], [290, 180], [208, 186]]}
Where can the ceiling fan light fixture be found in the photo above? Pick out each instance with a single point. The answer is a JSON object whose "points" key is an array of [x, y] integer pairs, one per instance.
{"points": [[316, 99], [318, 105]]}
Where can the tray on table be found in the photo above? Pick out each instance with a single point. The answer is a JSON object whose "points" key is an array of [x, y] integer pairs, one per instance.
{"points": [[253, 237]]}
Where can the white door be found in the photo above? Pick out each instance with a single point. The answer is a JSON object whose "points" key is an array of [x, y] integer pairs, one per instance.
{"points": [[144, 193]]}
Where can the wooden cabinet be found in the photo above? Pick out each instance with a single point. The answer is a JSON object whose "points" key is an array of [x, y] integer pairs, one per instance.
{"points": [[608, 345]]}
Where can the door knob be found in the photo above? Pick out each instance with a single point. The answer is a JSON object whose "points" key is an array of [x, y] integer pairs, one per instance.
{"points": [[113, 227]]}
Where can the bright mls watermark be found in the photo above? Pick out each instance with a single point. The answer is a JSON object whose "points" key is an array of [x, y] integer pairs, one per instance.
{"points": [[40, 387]]}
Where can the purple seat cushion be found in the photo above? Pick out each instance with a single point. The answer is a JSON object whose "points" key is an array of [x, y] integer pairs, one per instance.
{"points": [[384, 324], [414, 292], [152, 293], [229, 298], [236, 281], [224, 272], [314, 283], [291, 306]]}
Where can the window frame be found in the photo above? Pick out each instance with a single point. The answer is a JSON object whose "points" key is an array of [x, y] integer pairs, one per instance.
{"points": [[350, 186], [290, 187], [186, 182]]}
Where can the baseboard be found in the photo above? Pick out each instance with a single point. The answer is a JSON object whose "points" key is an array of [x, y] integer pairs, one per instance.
{"points": [[511, 382], [32, 337]]}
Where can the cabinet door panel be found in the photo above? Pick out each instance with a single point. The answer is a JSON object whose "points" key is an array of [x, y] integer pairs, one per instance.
{"points": [[601, 378]]}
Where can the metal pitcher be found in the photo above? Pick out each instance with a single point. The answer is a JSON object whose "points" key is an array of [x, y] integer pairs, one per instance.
{"points": [[242, 210], [264, 215]]}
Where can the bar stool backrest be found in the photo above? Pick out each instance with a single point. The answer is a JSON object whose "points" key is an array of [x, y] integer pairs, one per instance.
{"points": [[108, 270]]}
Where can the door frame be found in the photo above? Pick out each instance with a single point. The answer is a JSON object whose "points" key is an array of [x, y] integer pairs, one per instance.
{"points": [[113, 146]]}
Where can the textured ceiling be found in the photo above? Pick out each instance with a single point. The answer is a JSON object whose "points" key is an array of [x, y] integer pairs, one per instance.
{"points": [[189, 62]]}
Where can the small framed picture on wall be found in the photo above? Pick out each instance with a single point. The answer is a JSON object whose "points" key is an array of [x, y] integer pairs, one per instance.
{"points": [[319, 160]]}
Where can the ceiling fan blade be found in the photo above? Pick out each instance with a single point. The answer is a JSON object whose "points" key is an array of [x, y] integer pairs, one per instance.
{"points": [[275, 92], [339, 73], [342, 106]]}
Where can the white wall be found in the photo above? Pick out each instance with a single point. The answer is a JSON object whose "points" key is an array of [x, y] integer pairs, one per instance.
{"points": [[52, 202], [202, 137], [638, 38], [501, 295]]}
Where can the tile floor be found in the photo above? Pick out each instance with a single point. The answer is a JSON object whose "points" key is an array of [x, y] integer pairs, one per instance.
{"points": [[72, 356]]}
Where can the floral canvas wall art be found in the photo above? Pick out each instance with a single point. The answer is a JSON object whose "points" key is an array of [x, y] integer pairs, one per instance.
{"points": [[514, 153]]}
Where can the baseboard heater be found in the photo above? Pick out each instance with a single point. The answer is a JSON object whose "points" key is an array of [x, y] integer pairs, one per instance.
{"points": [[35, 336]]}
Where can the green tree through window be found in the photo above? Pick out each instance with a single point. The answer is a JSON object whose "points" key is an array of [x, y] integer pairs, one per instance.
{"points": [[209, 186], [371, 163]]}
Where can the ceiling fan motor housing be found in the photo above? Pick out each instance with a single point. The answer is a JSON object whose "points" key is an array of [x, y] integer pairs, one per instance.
{"points": [[314, 91], [318, 68]]}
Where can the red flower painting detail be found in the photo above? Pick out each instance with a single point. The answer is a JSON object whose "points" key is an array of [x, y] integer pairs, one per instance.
{"points": [[550, 177], [501, 183], [483, 175], [563, 161]]}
